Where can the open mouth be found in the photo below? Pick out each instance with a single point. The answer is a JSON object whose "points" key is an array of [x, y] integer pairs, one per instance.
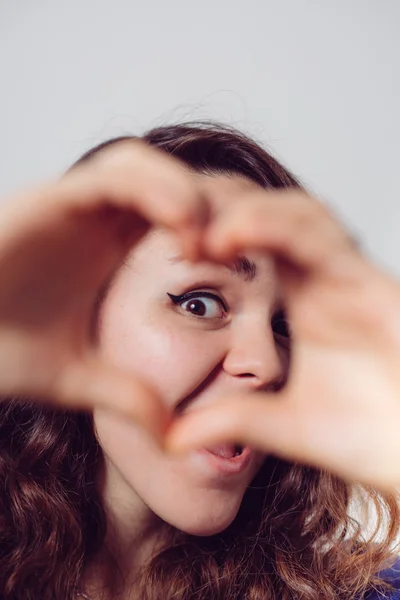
{"points": [[226, 459], [227, 451]]}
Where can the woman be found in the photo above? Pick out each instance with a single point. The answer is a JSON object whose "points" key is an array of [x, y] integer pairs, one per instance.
{"points": [[184, 292]]}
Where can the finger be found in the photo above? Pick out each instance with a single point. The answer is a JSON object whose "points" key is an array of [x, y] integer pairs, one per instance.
{"points": [[248, 420], [93, 383], [275, 426], [129, 177], [290, 224], [135, 176]]}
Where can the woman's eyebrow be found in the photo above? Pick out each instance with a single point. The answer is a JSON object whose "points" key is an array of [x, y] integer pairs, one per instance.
{"points": [[241, 266]]}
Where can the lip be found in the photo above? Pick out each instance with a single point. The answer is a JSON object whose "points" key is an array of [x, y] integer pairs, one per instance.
{"points": [[228, 466]]}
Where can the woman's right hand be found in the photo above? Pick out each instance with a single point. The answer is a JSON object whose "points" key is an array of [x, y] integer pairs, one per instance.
{"points": [[58, 246]]}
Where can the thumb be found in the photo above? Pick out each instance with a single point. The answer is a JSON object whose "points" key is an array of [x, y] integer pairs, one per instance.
{"points": [[266, 424], [94, 383], [350, 448]]}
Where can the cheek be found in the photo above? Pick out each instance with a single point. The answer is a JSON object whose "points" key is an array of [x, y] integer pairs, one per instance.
{"points": [[173, 361]]}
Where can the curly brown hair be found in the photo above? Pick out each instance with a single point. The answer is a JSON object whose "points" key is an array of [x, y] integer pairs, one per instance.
{"points": [[294, 536]]}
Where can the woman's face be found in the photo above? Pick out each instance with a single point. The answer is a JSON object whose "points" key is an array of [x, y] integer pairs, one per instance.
{"points": [[194, 332]]}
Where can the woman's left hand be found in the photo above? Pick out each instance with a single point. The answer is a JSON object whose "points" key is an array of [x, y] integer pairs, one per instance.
{"points": [[340, 408]]}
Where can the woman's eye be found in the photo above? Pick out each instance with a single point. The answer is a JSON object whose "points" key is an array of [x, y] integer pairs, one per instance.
{"points": [[201, 304]]}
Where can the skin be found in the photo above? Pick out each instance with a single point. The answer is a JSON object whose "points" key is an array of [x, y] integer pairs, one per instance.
{"points": [[190, 361]]}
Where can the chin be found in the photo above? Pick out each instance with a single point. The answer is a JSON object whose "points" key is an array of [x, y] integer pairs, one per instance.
{"points": [[204, 524], [207, 530]]}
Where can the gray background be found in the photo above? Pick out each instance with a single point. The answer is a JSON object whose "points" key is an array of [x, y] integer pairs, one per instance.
{"points": [[317, 81]]}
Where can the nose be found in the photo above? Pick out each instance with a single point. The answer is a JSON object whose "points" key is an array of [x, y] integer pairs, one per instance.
{"points": [[256, 361]]}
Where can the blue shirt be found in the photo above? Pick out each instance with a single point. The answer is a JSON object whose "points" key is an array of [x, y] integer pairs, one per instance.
{"points": [[392, 576]]}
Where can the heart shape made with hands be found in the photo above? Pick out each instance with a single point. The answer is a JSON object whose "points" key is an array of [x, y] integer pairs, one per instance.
{"points": [[340, 408]]}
